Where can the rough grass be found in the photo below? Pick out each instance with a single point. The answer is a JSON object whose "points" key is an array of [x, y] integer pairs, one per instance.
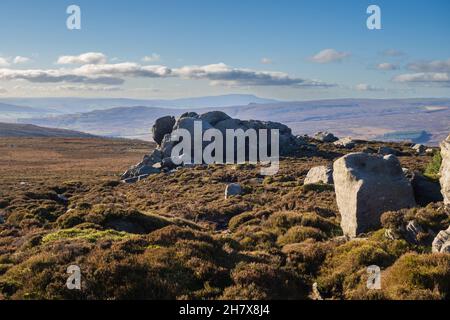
{"points": [[174, 236]]}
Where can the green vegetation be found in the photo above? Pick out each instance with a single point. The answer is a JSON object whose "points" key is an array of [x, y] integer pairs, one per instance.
{"points": [[433, 168]]}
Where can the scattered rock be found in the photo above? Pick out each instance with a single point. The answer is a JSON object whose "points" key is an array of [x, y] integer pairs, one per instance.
{"points": [[233, 189], [162, 127], [429, 151], [419, 148], [325, 137], [445, 170], [346, 142], [442, 241], [367, 186], [321, 174], [426, 191], [387, 151]]}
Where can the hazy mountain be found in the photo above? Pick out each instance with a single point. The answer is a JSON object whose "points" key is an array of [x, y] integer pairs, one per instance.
{"points": [[28, 130], [427, 119], [75, 105]]}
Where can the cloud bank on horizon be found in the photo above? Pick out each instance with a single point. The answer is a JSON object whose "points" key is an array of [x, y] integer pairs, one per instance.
{"points": [[290, 56]]}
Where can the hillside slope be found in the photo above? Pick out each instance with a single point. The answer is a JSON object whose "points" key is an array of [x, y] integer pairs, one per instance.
{"points": [[29, 130]]}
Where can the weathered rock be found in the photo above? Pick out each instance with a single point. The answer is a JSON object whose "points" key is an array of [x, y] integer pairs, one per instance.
{"points": [[419, 148], [445, 170], [426, 191], [214, 117], [386, 151], [2, 220], [442, 241], [346, 142], [321, 174], [189, 115], [166, 146], [366, 187], [162, 127], [445, 247], [413, 229], [233, 189], [325, 137]]}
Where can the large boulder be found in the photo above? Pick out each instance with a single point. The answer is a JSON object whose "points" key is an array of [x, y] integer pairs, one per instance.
{"points": [[366, 187], [321, 174], [162, 127], [445, 170], [441, 243]]}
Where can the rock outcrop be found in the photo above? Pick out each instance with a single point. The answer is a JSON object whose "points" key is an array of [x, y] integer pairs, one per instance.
{"points": [[321, 174], [441, 243], [161, 159], [445, 170], [366, 187]]}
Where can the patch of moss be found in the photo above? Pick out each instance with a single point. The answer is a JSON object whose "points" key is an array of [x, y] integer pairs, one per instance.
{"points": [[90, 235], [318, 187], [433, 168]]}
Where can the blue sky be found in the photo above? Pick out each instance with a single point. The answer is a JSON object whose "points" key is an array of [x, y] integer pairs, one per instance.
{"points": [[287, 49]]}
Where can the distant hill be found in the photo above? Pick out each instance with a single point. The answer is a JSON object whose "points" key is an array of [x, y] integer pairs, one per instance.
{"points": [[76, 105], [363, 118], [4, 107], [29, 130]]}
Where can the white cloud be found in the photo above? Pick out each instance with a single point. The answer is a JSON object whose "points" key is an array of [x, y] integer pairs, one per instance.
{"points": [[366, 87], [3, 90], [4, 62], [386, 66], [20, 60], [126, 69], [329, 55], [430, 66], [154, 57], [115, 74], [266, 61], [54, 76], [221, 73], [85, 58], [441, 78]]}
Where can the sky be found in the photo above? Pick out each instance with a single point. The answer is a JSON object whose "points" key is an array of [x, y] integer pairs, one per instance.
{"points": [[285, 49]]}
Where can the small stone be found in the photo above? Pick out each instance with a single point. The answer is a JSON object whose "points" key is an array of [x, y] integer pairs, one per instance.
{"points": [[325, 137], [320, 174], [346, 142], [233, 189]]}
